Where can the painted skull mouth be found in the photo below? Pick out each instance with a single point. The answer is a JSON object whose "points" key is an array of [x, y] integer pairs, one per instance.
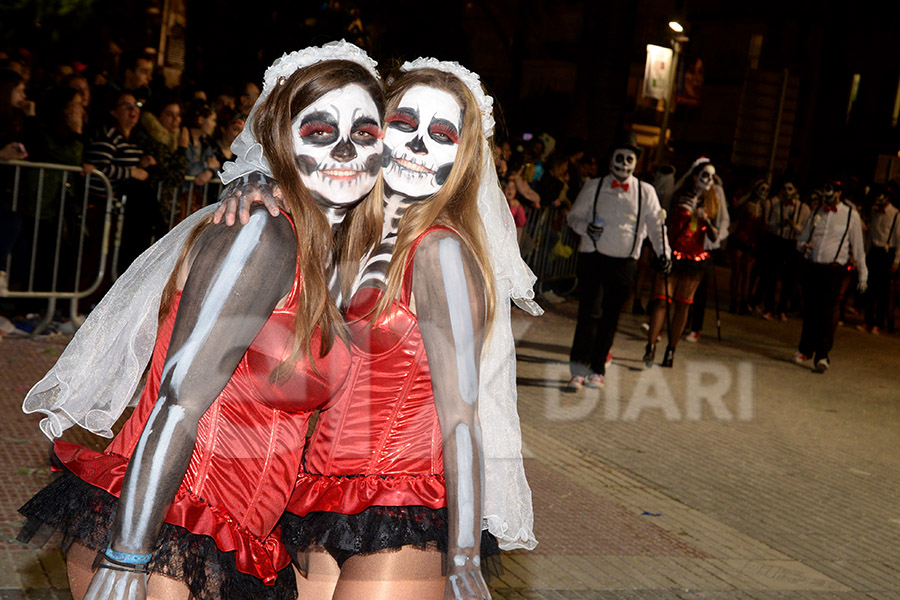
{"points": [[412, 166], [341, 174]]}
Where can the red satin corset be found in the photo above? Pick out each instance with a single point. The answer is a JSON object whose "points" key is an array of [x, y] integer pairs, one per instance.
{"points": [[380, 443], [249, 444], [687, 235]]}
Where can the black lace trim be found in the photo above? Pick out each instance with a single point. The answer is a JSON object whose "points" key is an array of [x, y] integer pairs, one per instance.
{"points": [[377, 529], [84, 513]]}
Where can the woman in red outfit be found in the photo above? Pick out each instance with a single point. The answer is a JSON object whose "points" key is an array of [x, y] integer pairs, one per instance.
{"points": [[388, 504], [185, 500], [690, 224]]}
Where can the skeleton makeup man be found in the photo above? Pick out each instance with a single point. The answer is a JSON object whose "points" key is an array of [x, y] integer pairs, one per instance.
{"points": [[622, 163]]}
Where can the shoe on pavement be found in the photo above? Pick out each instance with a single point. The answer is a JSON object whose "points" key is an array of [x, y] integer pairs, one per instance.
{"points": [[822, 365], [576, 383], [799, 358], [645, 326], [767, 316], [692, 337], [609, 358], [595, 381], [875, 330], [863, 328]]}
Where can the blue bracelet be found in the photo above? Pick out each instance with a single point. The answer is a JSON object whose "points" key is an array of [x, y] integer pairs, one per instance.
{"points": [[128, 559]]}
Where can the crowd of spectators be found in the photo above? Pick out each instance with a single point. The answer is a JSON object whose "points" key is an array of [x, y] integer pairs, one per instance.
{"points": [[159, 147]]}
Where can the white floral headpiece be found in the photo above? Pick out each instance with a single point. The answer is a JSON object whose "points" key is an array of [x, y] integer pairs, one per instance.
{"points": [[472, 81], [342, 50]]}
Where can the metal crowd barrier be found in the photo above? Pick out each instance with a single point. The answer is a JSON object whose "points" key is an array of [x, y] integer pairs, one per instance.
{"points": [[550, 249], [181, 200], [48, 231]]}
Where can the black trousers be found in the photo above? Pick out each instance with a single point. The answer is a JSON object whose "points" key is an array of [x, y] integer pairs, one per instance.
{"points": [[879, 262], [605, 283], [821, 291], [778, 258]]}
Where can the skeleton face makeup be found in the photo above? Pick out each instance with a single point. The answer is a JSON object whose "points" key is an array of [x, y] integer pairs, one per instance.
{"points": [[790, 191], [421, 141], [705, 178], [622, 163], [337, 145]]}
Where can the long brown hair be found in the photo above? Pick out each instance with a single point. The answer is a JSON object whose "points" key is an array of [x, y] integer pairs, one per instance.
{"points": [[272, 126], [454, 205]]}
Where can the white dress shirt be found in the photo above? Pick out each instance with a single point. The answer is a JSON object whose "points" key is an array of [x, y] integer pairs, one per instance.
{"points": [[880, 229], [827, 228], [618, 210]]}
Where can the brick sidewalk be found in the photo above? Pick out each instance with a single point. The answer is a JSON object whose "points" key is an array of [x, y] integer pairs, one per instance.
{"points": [[640, 492]]}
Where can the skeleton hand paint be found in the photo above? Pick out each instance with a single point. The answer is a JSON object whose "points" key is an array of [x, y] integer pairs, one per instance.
{"points": [[421, 141], [337, 141], [240, 194], [117, 585], [622, 163], [703, 181], [450, 308]]}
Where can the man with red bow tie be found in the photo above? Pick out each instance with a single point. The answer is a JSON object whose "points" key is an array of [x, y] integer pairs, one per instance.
{"points": [[830, 234], [882, 258], [613, 215]]}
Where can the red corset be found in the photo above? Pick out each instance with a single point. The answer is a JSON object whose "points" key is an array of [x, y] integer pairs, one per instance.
{"points": [[380, 443], [687, 235], [249, 444]]}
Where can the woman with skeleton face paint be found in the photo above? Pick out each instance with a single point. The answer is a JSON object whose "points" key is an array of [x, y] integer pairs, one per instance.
{"points": [[185, 500], [689, 226], [389, 502]]}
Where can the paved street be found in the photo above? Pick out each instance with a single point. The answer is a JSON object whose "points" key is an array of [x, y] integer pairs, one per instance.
{"points": [[734, 475]]}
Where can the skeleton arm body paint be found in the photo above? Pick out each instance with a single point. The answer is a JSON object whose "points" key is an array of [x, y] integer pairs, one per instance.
{"points": [[235, 281], [451, 315]]}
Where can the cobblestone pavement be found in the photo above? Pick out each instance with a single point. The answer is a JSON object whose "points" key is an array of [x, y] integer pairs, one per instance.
{"points": [[734, 475]]}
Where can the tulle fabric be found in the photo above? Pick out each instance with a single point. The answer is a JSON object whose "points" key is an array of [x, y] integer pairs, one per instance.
{"points": [[84, 514]]}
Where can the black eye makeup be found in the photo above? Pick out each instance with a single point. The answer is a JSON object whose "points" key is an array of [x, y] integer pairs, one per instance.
{"points": [[443, 132], [319, 128], [405, 119], [366, 132]]}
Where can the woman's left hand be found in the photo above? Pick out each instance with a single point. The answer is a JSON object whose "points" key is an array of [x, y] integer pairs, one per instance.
{"points": [[465, 582]]}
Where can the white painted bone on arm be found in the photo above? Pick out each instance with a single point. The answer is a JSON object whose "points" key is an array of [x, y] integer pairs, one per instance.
{"points": [[450, 305]]}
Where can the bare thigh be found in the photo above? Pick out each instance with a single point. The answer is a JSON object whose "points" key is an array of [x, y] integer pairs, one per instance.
{"points": [[405, 574], [80, 558]]}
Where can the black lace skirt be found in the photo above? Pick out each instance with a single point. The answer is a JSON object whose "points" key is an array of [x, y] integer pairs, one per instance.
{"points": [[378, 529], [84, 514]]}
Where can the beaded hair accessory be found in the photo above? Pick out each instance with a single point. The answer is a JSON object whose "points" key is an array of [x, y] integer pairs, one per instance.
{"points": [[472, 81]]}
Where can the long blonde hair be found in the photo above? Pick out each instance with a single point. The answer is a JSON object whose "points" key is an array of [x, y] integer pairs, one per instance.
{"points": [[272, 126], [454, 205]]}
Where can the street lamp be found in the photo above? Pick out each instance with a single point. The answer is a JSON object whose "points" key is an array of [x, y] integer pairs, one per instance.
{"points": [[677, 40]]}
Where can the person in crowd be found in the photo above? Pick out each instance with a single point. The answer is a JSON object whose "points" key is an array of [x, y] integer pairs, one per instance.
{"points": [[718, 215], [17, 116], [225, 134], [161, 135], [831, 233], [553, 186], [137, 73], [747, 227], [248, 97], [882, 258], [574, 152], [201, 124], [112, 151], [612, 215], [515, 207], [784, 217], [185, 501], [664, 185], [516, 174], [688, 228]]}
